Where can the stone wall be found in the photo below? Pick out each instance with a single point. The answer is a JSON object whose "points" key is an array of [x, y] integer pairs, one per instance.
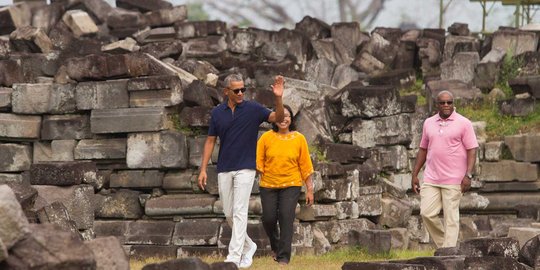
{"points": [[104, 113]]}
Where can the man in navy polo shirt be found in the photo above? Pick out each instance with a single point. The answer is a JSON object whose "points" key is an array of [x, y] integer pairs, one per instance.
{"points": [[236, 123]]}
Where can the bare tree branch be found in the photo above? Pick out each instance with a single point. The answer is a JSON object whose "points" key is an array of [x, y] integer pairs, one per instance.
{"points": [[372, 11], [233, 14], [280, 11]]}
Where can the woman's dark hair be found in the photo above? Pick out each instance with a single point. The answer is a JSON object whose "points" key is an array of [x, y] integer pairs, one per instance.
{"points": [[291, 126]]}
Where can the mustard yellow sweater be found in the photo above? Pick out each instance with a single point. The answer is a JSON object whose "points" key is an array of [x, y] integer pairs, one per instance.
{"points": [[283, 160]]}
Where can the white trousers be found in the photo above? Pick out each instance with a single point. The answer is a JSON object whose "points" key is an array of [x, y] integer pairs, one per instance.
{"points": [[234, 192]]}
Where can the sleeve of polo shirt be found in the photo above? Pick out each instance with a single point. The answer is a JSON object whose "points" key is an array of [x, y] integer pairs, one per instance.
{"points": [[469, 137], [304, 160], [261, 153], [264, 112], [212, 129], [424, 142]]}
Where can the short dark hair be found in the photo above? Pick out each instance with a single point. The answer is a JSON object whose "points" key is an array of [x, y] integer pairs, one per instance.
{"points": [[291, 126]]}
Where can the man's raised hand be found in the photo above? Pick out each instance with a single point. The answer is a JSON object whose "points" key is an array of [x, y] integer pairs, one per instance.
{"points": [[277, 87]]}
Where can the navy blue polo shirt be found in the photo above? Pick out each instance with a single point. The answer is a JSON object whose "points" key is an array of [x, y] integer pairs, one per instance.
{"points": [[238, 133]]}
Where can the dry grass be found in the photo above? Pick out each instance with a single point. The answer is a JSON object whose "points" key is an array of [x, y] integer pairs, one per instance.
{"points": [[328, 261]]}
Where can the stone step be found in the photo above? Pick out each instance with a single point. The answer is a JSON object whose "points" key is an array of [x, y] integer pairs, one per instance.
{"points": [[62, 127], [508, 170], [129, 120], [13, 126], [101, 149], [180, 204], [102, 95]]}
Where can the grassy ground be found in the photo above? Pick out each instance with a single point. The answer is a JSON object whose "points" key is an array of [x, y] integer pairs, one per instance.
{"points": [[499, 125], [329, 261]]}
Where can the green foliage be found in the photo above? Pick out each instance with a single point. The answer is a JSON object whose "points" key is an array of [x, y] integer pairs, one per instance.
{"points": [[499, 125], [510, 69], [318, 152], [196, 12], [184, 128], [415, 89]]}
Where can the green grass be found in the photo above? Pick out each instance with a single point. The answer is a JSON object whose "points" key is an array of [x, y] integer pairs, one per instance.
{"points": [[415, 89], [499, 125], [331, 260]]}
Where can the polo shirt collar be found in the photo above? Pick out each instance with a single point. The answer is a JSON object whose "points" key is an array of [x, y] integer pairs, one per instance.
{"points": [[226, 104], [450, 118]]}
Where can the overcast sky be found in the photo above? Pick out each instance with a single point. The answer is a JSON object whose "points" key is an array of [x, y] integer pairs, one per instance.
{"points": [[424, 13]]}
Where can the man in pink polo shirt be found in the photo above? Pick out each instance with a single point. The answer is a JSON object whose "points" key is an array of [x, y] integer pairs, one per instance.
{"points": [[448, 148]]}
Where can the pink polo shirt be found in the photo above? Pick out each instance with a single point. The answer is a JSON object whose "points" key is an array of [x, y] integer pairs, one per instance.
{"points": [[447, 142]]}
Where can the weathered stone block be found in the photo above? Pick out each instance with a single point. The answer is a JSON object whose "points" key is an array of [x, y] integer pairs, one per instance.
{"points": [[196, 232], [61, 150], [460, 67], [487, 71], [31, 39], [51, 247], [347, 210], [62, 173], [515, 41], [150, 232], [129, 120], [155, 150], [56, 213], [5, 97], [369, 200], [101, 149], [493, 151], [180, 204], [136, 179], [80, 23], [15, 157], [102, 95], [178, 180], [62, 127], [13, 72], [395, 212], [168, 16], [144, 6], [393, 158], [155, 91], [19, 126], [43, 98], [388, 130], [480, 247], [334, 190], [317, 212], [116, 228], [370, 101], [13, 223], [524, 147], [374, 241], [78, 200], [123, 204], [508, 170], [108, 253], [523, 234]]}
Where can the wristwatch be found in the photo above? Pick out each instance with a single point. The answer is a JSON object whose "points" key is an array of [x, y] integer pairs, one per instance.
{"points": [[469, 175]]}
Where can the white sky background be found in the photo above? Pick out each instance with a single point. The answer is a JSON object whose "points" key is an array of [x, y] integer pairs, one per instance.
{"points": [[424, 13]]}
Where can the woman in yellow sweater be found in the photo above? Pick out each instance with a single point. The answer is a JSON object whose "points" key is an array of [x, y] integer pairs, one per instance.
{"points": [[284, 163]]}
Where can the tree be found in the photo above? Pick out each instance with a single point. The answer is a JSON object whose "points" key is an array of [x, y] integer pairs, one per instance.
{"points": [[285, 13]]}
